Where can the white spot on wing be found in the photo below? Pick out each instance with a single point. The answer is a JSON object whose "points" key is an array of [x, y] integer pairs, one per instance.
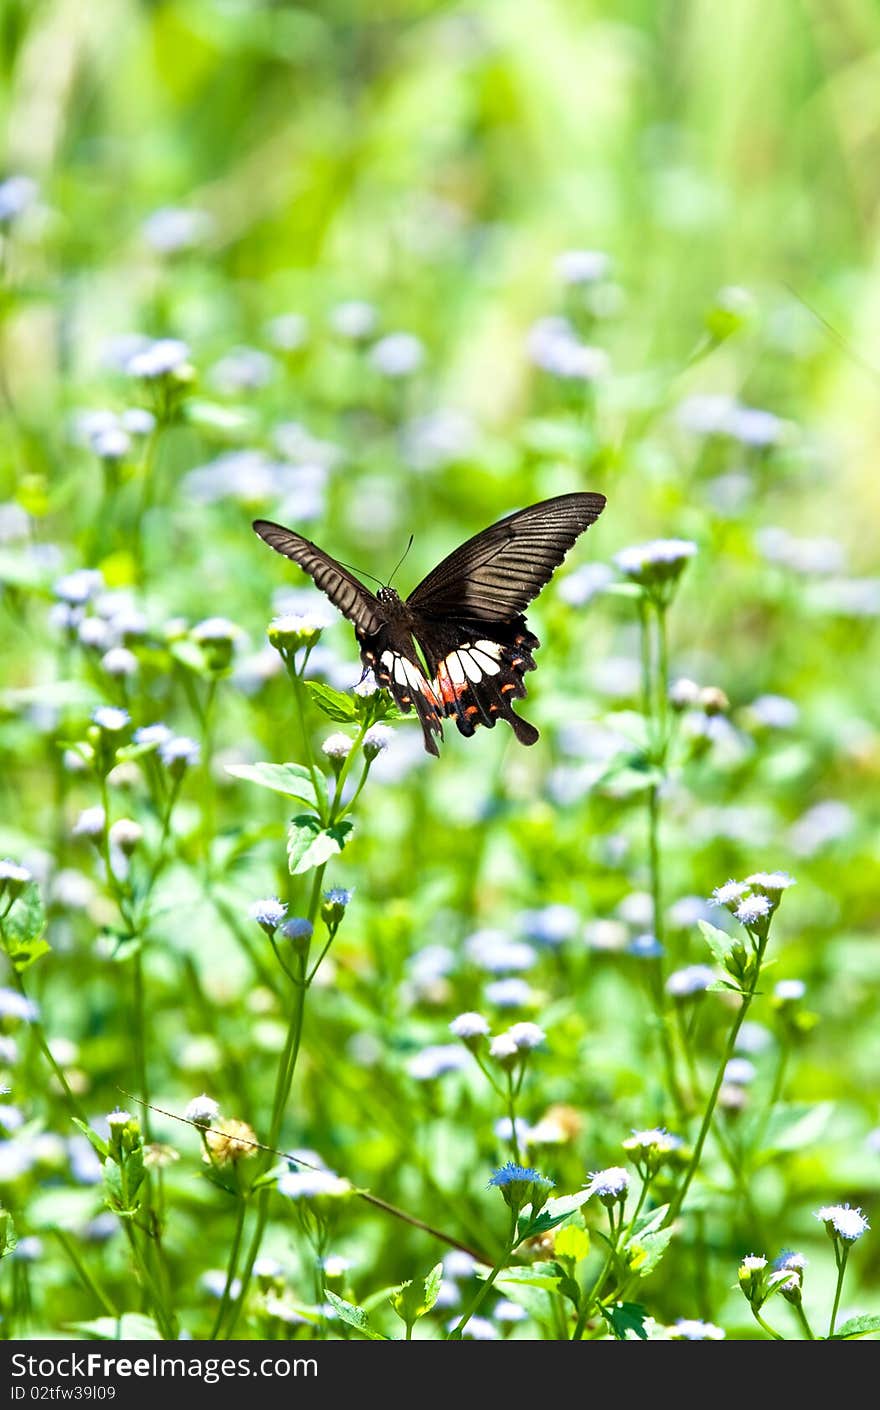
{"points": [[400, 671], [485, 663], [413, 675], [471, 669], [387, 659], [489, 648], [454, 669]]}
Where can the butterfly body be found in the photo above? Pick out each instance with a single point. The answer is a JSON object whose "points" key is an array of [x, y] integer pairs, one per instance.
{"points": [[458, 647]]}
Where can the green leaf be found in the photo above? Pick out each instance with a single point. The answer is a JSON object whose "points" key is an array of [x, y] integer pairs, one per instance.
{"points": [[651, 1247], [100, 1147], [131, 1326], [626, 1317], [572, 1242], [650, 1221], [534, 1275], [355, 1317], [190, 654], [857, 1326], [333, 702], [23, 929], [796, 1125], [413, 1299], [293, 780], [311, 845], [555, 1211], [719, 941]]}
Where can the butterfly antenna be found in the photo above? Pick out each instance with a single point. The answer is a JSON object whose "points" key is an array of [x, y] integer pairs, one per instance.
{"points": [[361, 572], [402, 558]]}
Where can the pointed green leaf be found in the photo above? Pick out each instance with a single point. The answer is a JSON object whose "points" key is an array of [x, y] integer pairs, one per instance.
{"points": [[626, 1317], [647, 1250], [311, 845], [858, 1326], [719, 941], [555, 1211], [355, 1317], [796, 1125], [293, 780], [100, 1147], [333, 702], [23, 929]]}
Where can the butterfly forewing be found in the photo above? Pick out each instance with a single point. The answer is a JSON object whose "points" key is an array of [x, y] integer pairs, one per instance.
{"points": [[352, 599], [495, 574]]}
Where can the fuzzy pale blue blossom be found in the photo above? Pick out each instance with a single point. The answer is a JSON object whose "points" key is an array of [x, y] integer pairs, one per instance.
{"points": [[551, 925], [478, 1329], [215, 629], [646, 947], [119, 662], [297, 928], [78, 587], [268, 913], [137, 421], [585, 583], [310, 1184], [152, 736], [157, 359], [242, 370], [740, 1072], [213, 1280], [377, 739], [660, 558], [90, 823], [288, 331], [493, 952], [508, 1312], [469, 1025], [504, 1130], [355, 319], [12, 872], [337, 746], [611, 1183], [775, 712], [397, 355], [844, 1222], [112, 444], [731, 893], [180, 753], [110, 719], [435, 1061], [583, 266], [503, 1048], [653, 1138], [17, 193], [202, 1110], [173, 229], [771, 882], [752, 910], [511, 993], [789, 991], [691, 1329], [525, 1036], [94, 633]]}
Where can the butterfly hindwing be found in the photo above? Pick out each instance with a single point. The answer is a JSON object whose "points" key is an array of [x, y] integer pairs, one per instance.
{"points": [[478, 672], [394, 661]]}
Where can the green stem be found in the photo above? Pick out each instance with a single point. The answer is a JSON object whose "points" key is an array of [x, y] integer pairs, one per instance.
{"points": [[299, 696], [841, 1254], [511, 1112], [39, 1033], [730, 1046], [230, 1269], [766, 1326], [477, 1300], [802, 1318], [85, 1276]]}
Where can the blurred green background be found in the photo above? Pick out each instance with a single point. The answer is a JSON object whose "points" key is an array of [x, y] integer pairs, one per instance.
{"points": [[282, 187]]}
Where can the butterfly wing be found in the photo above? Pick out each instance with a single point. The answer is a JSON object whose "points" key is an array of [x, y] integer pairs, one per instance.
{"points": [[351, 598], [468, 613], [392, 657], [386, 649], [494, 576]]}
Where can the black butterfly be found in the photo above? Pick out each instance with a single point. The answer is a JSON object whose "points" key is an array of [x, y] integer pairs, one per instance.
{"points": [[466, 617]]}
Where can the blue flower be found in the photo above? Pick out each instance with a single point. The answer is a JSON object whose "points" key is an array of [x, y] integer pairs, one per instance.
{"points": [[511, 1174]]}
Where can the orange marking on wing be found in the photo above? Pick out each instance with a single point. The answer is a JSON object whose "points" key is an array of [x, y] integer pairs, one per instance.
{"points": [[449, 691], [472, 710], [508, 685]]}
